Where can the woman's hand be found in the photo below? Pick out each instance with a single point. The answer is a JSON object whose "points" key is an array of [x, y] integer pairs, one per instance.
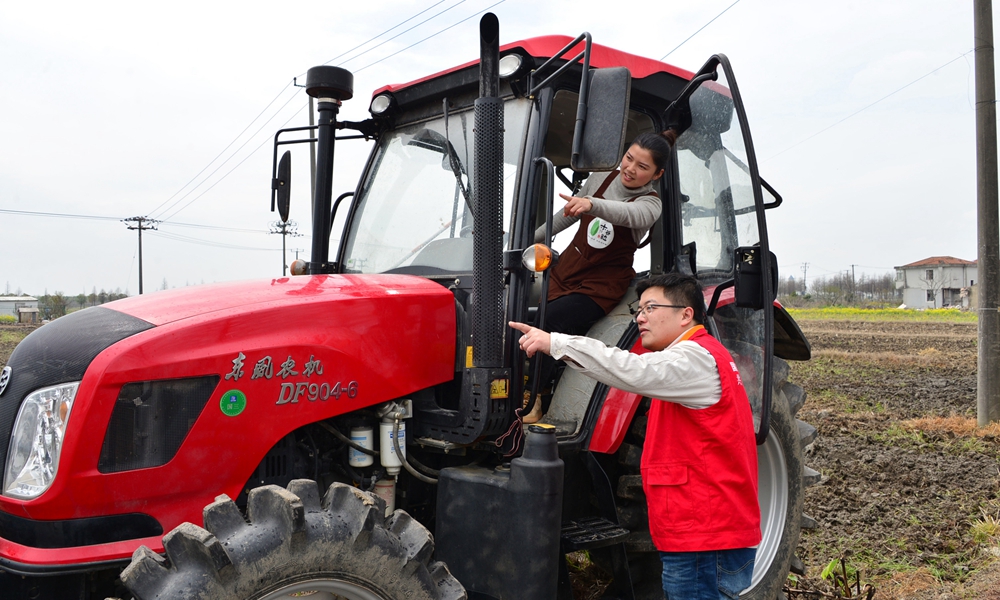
{"points": [[576, 206]]}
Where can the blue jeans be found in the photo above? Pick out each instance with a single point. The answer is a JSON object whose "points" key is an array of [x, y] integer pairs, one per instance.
{"points": [[713, 575]]}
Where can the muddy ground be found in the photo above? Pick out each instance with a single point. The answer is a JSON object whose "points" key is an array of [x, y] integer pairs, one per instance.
{"points": [[910, 486]]}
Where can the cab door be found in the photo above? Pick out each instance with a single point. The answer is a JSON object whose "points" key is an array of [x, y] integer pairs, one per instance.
{"points": [[721, 224]]}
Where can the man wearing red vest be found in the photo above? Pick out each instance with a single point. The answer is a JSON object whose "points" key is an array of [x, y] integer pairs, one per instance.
{"points": [[699, 463]]}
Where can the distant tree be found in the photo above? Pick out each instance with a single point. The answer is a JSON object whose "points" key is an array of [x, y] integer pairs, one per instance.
{"points": [[102, 296], [93, 296], [787, 287], [58, 303], [164, 286]]}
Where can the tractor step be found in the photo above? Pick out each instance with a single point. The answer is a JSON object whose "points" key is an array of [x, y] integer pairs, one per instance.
{"points": [[590, 533]]}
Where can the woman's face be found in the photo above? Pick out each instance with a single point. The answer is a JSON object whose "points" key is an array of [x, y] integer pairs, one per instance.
{"points": [[638, 167]]}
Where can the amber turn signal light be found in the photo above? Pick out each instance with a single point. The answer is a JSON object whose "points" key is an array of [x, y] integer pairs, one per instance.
{"points": [[538, 257]]}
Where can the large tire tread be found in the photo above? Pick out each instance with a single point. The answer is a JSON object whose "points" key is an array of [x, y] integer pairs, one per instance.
{"points": [[289, 536]]}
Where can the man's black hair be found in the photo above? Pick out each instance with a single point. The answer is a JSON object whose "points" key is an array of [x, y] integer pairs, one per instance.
{"points": [[678, 288]]}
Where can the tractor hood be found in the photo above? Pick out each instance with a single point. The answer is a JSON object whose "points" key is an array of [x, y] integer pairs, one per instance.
{"points": [[164, 307], [216, 374]]}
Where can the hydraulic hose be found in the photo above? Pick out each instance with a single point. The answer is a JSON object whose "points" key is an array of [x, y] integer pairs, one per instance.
{"points": [[402, 457]]}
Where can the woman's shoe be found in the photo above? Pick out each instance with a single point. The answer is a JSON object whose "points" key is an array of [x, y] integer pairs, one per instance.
{"points": [[536, 411]]}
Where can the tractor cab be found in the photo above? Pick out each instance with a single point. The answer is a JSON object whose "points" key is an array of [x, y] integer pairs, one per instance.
{"points": [[566, 109]]}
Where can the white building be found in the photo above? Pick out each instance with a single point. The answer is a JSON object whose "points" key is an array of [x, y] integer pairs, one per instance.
{"points": [[937, 282], [23, 308]]}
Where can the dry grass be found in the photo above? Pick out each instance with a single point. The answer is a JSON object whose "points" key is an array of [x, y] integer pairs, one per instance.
{"points": [[963, 427], [882, 314], [926, 357], [906, 584]]}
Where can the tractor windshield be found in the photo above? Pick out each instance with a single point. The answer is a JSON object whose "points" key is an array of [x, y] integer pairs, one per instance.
{"points": [[414, 213]]}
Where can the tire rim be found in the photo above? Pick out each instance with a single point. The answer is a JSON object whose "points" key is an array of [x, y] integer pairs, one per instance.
{"points": [[772, 494], [323, 589]]}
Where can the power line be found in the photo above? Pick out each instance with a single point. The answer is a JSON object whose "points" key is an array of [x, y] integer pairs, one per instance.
{"points": [[283, 90], [699, 30], [433, 35], [222, 164], [224, 149], [36, 213], [192, 240], [398, 34], [855, 113], [236, 166], [165, 217]]}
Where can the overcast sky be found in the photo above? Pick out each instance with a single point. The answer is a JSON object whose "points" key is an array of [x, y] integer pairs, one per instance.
{"points": [[110, 109]]}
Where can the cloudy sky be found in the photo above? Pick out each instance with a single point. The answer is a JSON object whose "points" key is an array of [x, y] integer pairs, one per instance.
{"points": [[862, 115]]}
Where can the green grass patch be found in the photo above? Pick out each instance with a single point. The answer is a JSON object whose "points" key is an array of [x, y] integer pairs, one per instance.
{"points": [[843, 313], [12, 337]]}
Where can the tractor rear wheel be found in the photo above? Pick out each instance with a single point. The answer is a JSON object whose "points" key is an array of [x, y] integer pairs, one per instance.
{"points": [[782, 478], [294, 545]]}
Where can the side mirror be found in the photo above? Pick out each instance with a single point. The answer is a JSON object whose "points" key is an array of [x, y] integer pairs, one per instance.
{"points": [[749, 279], [605, 114], [282, 185]]}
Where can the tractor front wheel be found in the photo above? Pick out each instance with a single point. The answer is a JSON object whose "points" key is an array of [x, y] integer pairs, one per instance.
{"points": [[292, 545]]}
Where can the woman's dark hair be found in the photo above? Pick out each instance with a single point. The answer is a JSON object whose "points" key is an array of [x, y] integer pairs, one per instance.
{"points": [[682, 289], [657, 144]]}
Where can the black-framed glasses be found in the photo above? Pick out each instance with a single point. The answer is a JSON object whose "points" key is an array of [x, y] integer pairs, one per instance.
{"points": [[638, 310]]}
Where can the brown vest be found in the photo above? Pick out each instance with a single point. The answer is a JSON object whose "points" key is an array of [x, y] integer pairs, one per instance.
{"points": [[598, 262]]}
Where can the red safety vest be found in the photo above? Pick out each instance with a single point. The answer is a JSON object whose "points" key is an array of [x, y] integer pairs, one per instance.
{"points": [[598, 262], [699, 467]]}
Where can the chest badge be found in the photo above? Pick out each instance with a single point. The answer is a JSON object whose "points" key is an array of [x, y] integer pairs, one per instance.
{"points": [[600, 234]]}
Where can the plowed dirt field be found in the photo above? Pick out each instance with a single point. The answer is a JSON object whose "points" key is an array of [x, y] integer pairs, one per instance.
{"points": [[910, 486]]}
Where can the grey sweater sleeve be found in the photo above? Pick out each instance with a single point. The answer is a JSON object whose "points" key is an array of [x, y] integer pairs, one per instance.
{"points": [[640, 214]]}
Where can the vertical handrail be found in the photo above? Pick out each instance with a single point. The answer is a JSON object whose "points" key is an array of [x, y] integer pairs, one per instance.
{"points": [[543, 301]]}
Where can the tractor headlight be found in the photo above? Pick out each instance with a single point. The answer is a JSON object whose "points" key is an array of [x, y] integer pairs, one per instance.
{"points": [[37, 441]]}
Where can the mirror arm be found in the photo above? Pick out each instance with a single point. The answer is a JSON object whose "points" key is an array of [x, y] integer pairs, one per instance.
{"points": [[716, 294], [336, 205], [682, 100], [777, 197], [274, 157], [585, 55]]}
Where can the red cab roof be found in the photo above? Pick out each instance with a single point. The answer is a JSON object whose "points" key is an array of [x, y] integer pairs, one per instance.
{"points": [[548, 45]]}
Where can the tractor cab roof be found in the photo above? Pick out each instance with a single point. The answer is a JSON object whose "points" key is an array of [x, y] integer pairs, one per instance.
{"points": [[544, 47]]}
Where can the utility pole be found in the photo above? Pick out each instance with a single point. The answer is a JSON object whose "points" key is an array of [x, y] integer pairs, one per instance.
{"points": [[804, 267], [285, 229], [988, 388], [141, 223], [854, 285]]}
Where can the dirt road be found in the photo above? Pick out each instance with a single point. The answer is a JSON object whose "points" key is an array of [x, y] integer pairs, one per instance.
{"points": [[906, 475]]}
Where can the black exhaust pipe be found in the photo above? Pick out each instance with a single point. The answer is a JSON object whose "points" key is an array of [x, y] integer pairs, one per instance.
{"points": [[487, 193]]}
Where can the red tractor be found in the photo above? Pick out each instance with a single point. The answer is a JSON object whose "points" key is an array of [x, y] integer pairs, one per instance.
{"points": [[331, 420]]}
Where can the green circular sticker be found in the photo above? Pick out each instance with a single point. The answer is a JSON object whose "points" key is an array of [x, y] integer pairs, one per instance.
{"points": [[233, 402]]}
